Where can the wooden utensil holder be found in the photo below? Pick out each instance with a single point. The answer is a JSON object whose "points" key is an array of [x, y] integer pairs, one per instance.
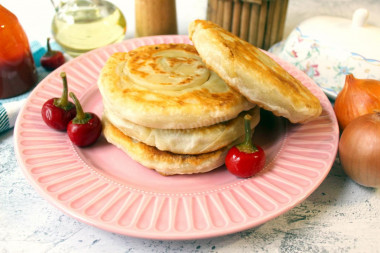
{"points": [[260, 22]]}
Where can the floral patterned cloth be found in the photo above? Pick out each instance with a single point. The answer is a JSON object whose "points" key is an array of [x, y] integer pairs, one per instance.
{"points": [[327, 65]]}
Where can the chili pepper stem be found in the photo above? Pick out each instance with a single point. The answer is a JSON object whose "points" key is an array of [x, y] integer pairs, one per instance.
{"points": [[49, 51], [63, 101], [48, 45], [81, 117], [247, 146]]}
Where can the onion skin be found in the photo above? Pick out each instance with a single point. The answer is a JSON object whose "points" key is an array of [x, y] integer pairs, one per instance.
{"points": [[358, 97], [359, 150]]}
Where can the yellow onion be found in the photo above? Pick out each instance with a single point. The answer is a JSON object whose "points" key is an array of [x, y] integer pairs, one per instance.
{"points": [[359, 150], [358, 97]]}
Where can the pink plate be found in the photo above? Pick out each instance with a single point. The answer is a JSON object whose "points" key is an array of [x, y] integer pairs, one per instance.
{"points": [[102, 186]]}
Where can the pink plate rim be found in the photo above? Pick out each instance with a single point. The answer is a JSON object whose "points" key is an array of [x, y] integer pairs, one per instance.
{"points": [[51, 164]]}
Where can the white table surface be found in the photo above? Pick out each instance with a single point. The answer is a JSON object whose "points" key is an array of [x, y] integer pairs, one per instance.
{"points": [[340, 216]]}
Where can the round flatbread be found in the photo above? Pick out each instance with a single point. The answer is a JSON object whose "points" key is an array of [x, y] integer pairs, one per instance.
{"points": [[169, 87], [253, 73], [165, 163], [187, 141]]}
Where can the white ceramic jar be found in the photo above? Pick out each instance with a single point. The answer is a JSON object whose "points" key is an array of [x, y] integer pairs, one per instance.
{"points": [[328, 48]]}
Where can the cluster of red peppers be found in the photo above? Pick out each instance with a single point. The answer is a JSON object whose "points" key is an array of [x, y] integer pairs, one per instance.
{"points": [[83, 128]]}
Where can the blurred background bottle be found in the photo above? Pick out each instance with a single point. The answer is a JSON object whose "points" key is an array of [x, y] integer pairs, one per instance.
{"points": [[155, 17], [82, 25], [17, 70]]}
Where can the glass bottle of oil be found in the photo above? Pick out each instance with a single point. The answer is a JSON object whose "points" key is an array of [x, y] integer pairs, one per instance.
{"points": [[82, 25]]}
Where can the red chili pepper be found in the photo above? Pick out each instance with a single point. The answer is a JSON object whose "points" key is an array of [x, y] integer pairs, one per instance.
{"points": [[57, 112], [52, 59], [85, 128], [246, 159]]}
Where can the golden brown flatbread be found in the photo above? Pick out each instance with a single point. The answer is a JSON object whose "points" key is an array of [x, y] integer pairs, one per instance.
{"points": [[167, 86], [187, 141], [164, 162], [253, 73]]}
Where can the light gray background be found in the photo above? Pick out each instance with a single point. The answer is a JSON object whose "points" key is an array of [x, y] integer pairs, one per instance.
{"points": [[340, 216]]}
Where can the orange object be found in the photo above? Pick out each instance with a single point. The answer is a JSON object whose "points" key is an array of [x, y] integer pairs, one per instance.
{"points": [[358, 97], [17, 70]]}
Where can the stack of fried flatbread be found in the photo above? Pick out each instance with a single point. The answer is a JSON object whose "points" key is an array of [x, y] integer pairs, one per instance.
{"points": [[168, 111], [178, 108]]}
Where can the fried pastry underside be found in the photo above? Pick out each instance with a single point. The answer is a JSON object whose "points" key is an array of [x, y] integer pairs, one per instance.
{"points": [[164, 162], [253, 73], [187, 141]]}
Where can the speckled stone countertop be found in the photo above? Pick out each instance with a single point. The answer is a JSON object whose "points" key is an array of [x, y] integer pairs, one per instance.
{"points": [[340, 216]]}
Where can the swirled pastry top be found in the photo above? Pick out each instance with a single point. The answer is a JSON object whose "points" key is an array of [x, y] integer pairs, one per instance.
{"points": [[253, 73], [167, 86]]}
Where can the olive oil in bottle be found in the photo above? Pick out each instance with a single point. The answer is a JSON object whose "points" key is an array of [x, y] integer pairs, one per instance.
{"points": [[82, 25]]}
